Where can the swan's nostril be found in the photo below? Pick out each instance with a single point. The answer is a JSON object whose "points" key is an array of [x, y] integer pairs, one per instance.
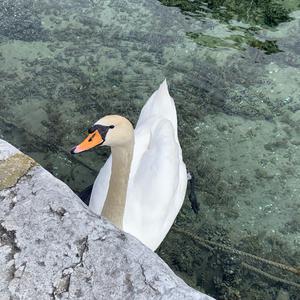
{"points": [[91, 138]]}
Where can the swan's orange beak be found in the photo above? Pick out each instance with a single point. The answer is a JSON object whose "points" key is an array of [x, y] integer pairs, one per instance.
{"points": [[93, 139]]}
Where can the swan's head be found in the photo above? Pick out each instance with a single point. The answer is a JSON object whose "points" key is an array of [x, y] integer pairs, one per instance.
{"points": [[112, 130]]}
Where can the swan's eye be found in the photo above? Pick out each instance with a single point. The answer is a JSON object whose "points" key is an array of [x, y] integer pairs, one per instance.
{"points": [[112, 126], [91, 129]]}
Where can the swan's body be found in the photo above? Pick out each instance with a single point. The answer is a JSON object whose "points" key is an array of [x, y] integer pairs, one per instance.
{"points": [[157, 179]]}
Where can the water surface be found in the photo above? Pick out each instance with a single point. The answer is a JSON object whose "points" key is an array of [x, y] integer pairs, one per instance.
{"points": [[233, 69]]}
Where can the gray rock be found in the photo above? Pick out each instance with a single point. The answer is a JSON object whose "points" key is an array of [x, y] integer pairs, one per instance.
{"points": [[53, 247]]}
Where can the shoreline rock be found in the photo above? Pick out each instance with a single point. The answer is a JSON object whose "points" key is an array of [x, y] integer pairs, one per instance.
{"points": [[53, 247]]}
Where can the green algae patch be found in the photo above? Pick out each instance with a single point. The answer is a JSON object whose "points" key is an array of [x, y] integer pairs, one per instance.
{"points": [[266, 13], [236, 41], [13, 168]]}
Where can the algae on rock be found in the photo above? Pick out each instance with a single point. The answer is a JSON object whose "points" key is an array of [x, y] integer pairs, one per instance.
{"points": [[14, 168]]}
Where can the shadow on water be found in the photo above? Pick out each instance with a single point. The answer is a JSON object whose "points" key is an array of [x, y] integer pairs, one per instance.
{"points": [[233, 69]]}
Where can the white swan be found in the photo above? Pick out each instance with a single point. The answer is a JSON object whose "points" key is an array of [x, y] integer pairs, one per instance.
{"points": [[142, 185]]}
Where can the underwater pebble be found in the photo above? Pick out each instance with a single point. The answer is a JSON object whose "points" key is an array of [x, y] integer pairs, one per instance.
{"points": [[283, 295]]}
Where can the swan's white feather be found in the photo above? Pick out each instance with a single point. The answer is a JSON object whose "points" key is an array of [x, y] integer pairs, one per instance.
{"points": [[158, 177]]}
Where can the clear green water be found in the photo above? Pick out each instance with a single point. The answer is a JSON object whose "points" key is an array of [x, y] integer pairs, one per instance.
{"points": [[234, 71]]}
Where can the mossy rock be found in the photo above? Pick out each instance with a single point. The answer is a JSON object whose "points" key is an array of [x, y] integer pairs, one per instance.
{"points": [[14, 168]]}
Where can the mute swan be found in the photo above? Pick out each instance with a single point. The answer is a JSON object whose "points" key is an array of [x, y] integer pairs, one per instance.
{"points": [[142, 185]]}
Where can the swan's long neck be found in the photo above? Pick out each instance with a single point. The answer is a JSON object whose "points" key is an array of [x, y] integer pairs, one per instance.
{"points": [[114, 205]]}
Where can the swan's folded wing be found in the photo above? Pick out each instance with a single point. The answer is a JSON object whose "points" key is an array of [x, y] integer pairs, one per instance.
{"points": [[158, 177]]}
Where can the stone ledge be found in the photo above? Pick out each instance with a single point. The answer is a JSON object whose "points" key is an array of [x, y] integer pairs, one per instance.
{"points": [[52, 247]]}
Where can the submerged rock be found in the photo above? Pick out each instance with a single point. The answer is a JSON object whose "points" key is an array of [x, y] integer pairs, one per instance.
{"points": [[53, 247]]}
